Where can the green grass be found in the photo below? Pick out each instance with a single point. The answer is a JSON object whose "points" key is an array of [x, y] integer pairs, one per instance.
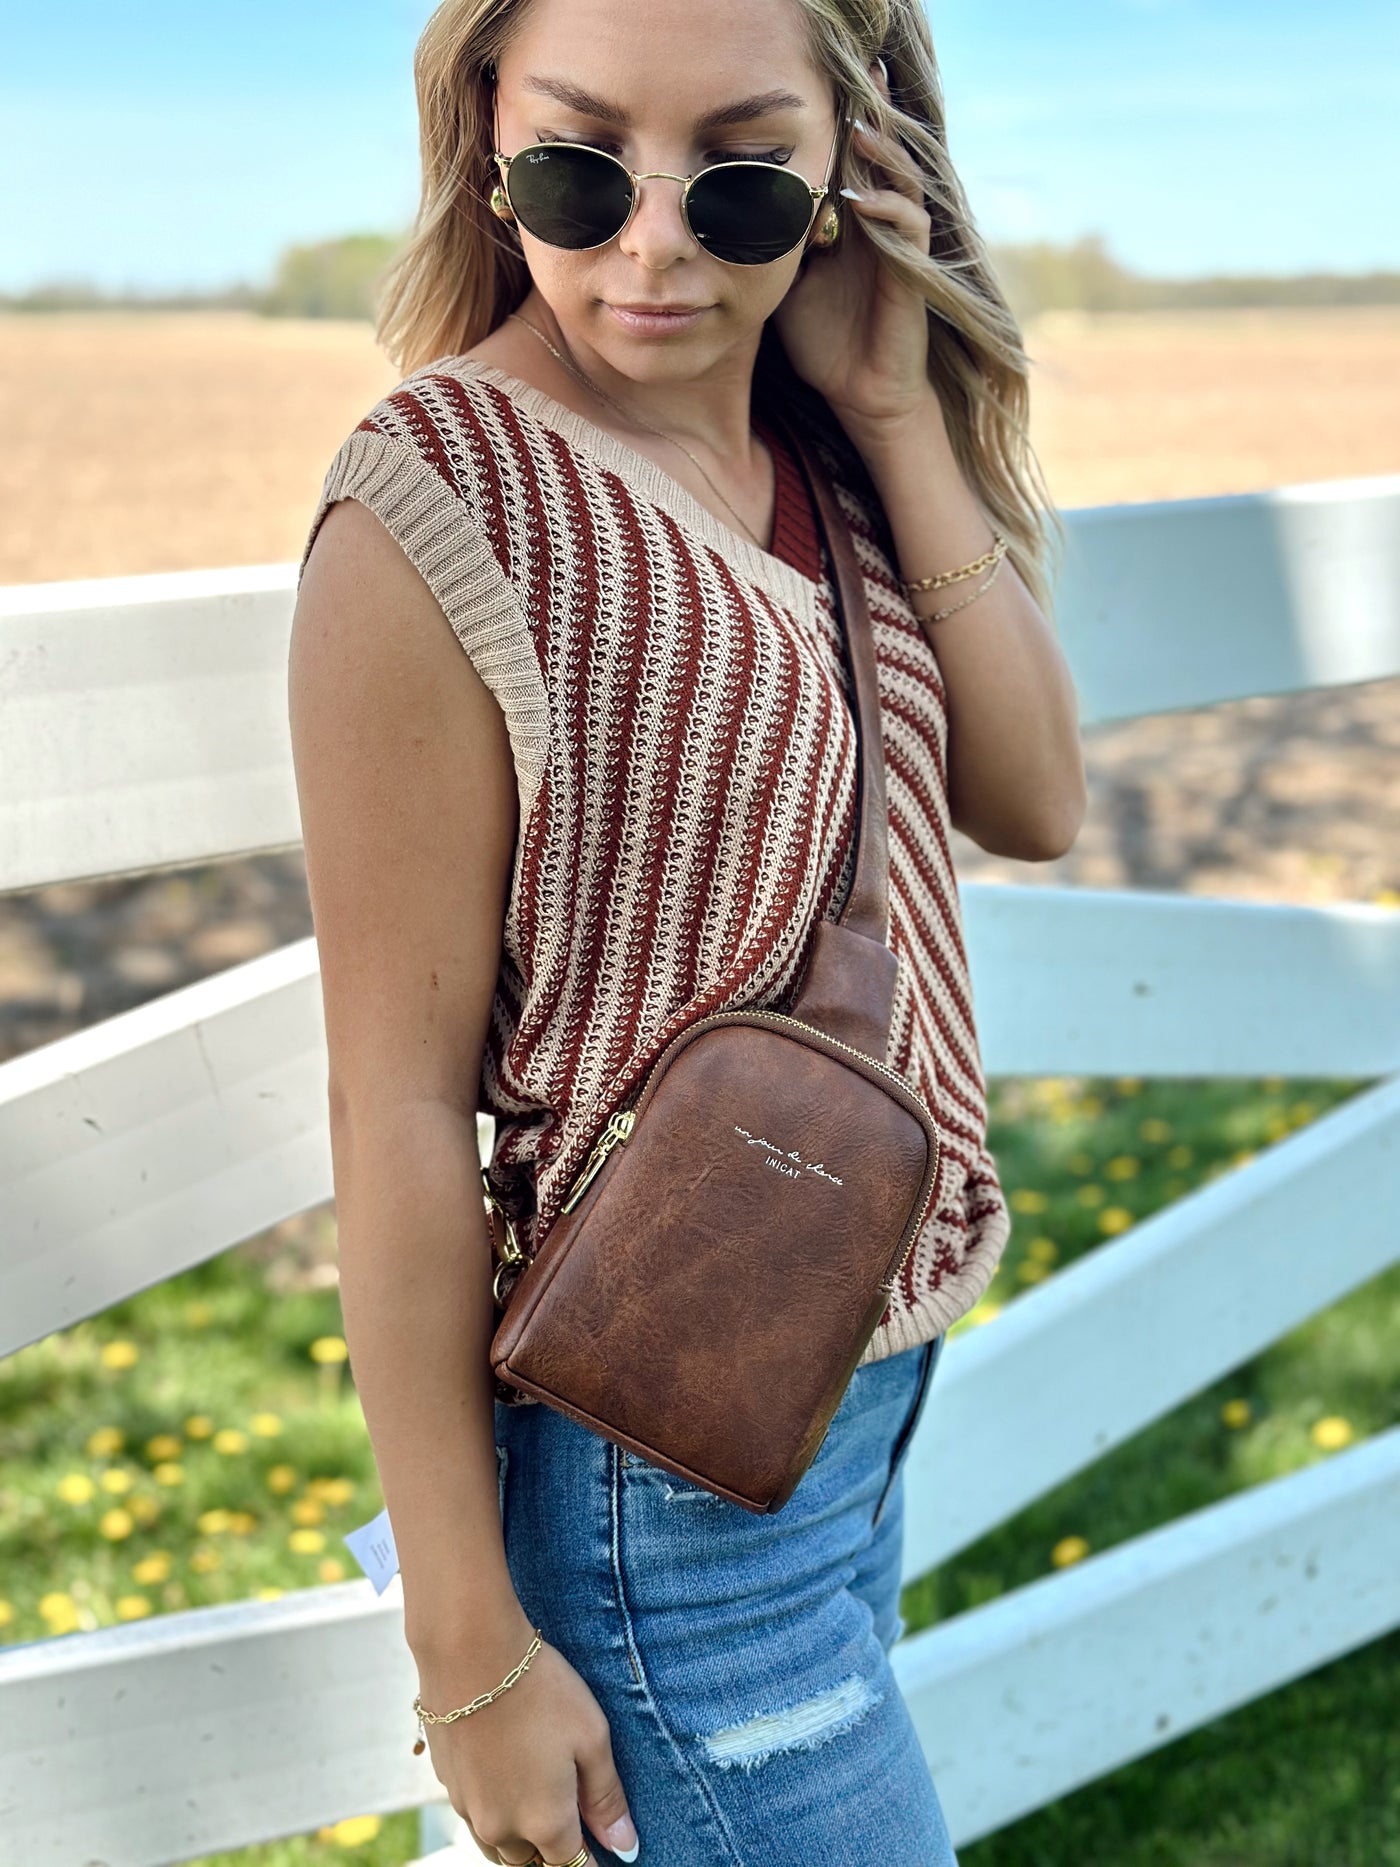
{"points": [[1310, 1775], [223, 1363]]}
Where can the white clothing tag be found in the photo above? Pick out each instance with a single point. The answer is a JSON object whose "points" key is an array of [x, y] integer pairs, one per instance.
{"points": [[372, 1546]]}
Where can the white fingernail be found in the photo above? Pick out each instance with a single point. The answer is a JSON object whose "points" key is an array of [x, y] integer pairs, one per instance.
{"points": [[851, 194], [622, 1827], [860, 126]]}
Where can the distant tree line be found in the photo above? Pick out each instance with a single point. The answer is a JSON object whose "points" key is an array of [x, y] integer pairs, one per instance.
{"points": [[1038, 276], [340, 279]]}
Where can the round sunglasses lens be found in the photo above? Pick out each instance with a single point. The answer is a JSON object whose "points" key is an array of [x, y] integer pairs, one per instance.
{"points": [[749, 213], [568, 196]]}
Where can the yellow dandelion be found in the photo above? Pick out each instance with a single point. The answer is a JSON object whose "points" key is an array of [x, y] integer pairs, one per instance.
{"points": [[270, 1592], [76, 1488], [1155, 1129], [330, 1569], [1031, 1271], [306, 1542], [281, 1478], [266, 1425], [230, 1440], [1115, 1219], [106, 1442], [1091, 1194], [1276, 1127], [132, 1607], [116, 1481], [353, 1832], [1236, 1413], [204, 1560], [1274, 1085], [1302, 1113], [116, 1524], [1332, 1433], [331, 1490], [199, 1315], [1080, 1162], [1128, 1085], [1043, 1250], [59, 1611], [308, 1510], [212, 1522], [119, 1354], [168, 1472], [1089, 1107], [328, 1348], [1242, 1157], [152, 1569], [1122, 1167], [1069, 1549], [199, 1426], [7, 1613], [145, 1510], [1028, 1199], [164, 1446], [242, 1523], [1181, 1155]]}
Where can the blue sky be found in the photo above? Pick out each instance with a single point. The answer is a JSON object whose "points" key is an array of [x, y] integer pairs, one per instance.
{"points": [[171, 144]]}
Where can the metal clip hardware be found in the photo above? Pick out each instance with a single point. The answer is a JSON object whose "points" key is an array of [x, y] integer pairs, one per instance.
{"points": [[504, 1242], [618, 1128]]}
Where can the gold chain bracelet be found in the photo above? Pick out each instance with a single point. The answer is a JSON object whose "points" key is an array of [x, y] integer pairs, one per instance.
{"points": [[945, 577], [937, 615], [465, 1711]]}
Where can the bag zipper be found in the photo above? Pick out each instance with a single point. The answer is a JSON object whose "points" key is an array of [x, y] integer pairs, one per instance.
{"points": [[621, 1122]]}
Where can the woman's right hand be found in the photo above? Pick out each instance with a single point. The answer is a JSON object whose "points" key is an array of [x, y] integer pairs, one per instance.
{"points": [[527, 1770]]}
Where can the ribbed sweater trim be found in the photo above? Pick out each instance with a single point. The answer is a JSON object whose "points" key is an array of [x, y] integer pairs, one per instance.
{"points": [[442, 538], [781, 580]]}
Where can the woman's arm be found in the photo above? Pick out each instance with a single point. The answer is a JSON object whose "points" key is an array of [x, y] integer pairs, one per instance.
{"points": [[1016, 780], [407, 799], [860, 335], [409, 815]]}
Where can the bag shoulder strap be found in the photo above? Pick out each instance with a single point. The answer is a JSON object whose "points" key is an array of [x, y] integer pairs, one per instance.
{"points": [[867, 908]]}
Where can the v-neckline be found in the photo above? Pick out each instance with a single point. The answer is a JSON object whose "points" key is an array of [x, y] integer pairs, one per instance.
{"points": [[775, 575]]}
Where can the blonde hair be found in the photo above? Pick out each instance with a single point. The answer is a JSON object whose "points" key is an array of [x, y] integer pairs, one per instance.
{"points": [[458, 274]]}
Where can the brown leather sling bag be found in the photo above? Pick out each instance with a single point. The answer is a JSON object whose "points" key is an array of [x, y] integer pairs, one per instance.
{"points": [[722, 1259]]}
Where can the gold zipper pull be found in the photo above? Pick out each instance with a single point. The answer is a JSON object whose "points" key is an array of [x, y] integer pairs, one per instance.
{"points": [[618, 1128]]}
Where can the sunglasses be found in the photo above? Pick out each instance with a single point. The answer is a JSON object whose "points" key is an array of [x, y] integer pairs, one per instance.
{"points": [[746, 213]]}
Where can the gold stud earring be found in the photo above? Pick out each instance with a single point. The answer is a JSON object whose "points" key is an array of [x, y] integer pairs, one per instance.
{"points": [[500, 207]]}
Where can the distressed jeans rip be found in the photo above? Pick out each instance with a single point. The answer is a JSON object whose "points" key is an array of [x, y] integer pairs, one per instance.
{"points": [[798, 1727], [691, 1494]]}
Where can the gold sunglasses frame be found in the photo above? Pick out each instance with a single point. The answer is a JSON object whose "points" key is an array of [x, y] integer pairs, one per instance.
{"points": [[635, 178]]}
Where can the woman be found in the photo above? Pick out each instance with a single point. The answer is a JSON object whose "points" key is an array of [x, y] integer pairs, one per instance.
{"points": [[628, 803]]}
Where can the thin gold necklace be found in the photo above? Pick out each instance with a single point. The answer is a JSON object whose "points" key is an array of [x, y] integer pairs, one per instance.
{"points": [[627, 415]]}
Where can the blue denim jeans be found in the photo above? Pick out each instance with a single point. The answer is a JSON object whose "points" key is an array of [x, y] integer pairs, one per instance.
{"points": [[742, 1660]]}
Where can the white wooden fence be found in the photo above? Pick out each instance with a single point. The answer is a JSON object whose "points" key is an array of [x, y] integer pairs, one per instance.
{"points": [[144, 725]]}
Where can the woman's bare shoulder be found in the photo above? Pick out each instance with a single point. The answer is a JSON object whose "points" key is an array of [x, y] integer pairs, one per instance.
{"points": [[408, 800]]}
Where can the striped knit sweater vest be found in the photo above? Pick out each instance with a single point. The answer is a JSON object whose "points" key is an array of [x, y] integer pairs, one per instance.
{"points": [[680, 718]]}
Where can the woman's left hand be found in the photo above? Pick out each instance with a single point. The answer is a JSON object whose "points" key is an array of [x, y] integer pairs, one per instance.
{"points": [[850, 328]]}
